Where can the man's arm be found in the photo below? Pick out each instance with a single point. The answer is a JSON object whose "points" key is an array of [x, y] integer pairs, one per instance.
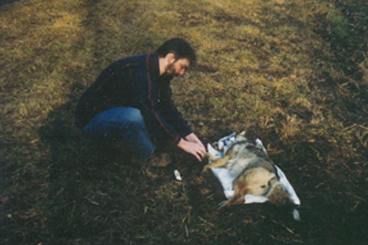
{"points": [[171, 113], [144, 90]]}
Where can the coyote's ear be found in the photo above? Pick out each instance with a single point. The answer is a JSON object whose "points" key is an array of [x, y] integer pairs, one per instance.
{"points": [[244, 191], [239, 196], [236, 199]]}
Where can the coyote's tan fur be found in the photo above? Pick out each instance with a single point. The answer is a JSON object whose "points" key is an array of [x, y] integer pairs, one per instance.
{"points": [[253, 172]]}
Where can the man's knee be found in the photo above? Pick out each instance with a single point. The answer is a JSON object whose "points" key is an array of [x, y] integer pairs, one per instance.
{"points": [[134, 116], [126, 117]]}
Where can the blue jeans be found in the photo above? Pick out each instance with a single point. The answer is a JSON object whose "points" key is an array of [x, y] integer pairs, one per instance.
{"points": [[124, 124]]}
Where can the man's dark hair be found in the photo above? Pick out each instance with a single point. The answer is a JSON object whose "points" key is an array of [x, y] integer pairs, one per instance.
{"points": [[179, 47]]}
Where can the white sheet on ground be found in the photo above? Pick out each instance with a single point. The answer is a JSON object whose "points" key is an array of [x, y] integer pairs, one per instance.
{"points": [[222, 174]]}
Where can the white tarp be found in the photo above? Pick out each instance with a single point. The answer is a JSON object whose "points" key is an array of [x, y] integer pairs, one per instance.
{"points": [[226, 180]]}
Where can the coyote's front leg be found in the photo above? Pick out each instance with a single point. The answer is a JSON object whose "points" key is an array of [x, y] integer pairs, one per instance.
{"points": [[217, 162]]}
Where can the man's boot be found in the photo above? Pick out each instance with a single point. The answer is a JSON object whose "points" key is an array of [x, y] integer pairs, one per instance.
{"points": [[156, 161]]}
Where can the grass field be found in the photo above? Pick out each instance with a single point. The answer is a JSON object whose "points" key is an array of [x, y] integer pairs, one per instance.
{"points": [[293, 73]]}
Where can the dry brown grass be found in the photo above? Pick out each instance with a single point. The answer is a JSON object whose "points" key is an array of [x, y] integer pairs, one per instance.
{"points": [[292, 73]]}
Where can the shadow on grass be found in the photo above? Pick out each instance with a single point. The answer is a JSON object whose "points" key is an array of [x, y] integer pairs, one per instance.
{"points": [[96, 196], [83, 176], [344, 28], [9, 3]]}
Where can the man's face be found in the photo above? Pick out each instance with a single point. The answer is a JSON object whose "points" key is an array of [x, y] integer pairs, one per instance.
{"points": [[177, 67]]}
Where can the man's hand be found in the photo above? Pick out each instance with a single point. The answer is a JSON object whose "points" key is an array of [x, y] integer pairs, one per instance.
{"points": [[193, 138], [192, 145]]}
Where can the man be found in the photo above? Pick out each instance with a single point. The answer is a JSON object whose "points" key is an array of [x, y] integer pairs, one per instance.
{"points": [[131, 103]]}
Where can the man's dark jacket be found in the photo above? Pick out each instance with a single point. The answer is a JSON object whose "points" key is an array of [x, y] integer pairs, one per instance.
{"points": [[136, 82]]}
